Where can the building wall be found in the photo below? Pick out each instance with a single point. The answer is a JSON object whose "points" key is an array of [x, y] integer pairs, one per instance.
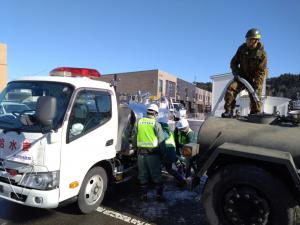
{"points": [[159, 83], [132, 82], [202, 100], [3, 66], [219, 83], [168, 84], [185, 94]]}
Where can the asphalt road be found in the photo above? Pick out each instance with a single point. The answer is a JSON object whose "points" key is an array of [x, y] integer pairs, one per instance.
{"points": [[121, 206]]}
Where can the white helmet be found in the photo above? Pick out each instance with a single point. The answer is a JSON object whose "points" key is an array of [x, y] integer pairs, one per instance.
{"points": [[153, 107], [182, 123]]}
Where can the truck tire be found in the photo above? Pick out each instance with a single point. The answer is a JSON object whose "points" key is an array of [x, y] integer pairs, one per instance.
{"points": [[92, 190], [247, 194]]}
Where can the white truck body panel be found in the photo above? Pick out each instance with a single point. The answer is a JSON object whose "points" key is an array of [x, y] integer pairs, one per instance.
{"points": [[51, 152], [78, 156]]}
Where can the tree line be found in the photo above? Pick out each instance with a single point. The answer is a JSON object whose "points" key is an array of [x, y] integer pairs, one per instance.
{"points": [[286, 85]]}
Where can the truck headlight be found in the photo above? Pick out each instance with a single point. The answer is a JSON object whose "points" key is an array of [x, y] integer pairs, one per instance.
{"points": [[41, 180]]}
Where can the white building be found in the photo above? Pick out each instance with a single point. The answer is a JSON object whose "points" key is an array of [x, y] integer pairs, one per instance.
{"points": [[270, 103]]}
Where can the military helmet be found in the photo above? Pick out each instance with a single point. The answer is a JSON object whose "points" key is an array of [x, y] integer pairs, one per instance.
{"points": [[253, 33]]}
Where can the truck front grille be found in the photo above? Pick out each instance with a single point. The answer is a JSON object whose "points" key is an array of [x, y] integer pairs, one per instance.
{"points": [[19, 197]]}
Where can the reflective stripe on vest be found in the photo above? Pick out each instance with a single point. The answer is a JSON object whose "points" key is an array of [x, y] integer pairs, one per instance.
{"points": [[182, 139], [146, 137]]}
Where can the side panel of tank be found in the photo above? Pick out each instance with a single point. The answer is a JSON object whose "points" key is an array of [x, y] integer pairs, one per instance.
{"points": [[221, 130], [126, 120]]}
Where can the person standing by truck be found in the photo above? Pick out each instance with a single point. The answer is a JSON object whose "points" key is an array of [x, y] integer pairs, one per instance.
{"points": [[169, 154], [250, 63], [183, 134], [149, 143]]}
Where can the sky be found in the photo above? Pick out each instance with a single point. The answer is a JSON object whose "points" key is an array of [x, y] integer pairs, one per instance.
{"points": [[191, 39]]}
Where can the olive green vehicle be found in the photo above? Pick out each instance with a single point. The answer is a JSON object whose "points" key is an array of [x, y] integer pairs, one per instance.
{"points": [[252, 165]]}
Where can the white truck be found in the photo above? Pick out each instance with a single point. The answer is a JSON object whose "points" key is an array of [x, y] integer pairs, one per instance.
{"points": [[179, 111], [64, 139]]}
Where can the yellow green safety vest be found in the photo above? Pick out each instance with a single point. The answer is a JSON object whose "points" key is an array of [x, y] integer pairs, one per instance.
{"points": [[182, 139], [170, 141], [146, 137]]}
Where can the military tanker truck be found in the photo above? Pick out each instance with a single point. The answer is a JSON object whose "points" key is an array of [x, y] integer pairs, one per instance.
{"points": [[252, 168]]}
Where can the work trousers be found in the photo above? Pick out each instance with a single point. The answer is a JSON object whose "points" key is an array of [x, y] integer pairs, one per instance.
{"points": [[149, 166]]}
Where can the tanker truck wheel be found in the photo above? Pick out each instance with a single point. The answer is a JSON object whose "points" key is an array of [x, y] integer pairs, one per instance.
{"points": [[247, 194], [92, 190]]}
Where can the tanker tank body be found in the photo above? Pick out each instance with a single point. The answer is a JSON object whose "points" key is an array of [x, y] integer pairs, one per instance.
{"points": [[280, 137], [251, 171]]}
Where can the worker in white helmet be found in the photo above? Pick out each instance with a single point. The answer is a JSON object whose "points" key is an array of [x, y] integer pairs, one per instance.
{"points": [[149, 143], [183, 134]]}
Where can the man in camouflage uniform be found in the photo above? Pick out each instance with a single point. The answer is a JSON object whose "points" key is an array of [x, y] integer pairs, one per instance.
{"points": [[250, 63]]}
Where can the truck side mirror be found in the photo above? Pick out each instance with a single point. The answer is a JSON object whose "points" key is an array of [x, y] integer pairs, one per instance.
{"points": [[45, 110]]}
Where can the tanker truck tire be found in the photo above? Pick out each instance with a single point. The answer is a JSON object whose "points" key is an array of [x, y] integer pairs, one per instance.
{"points": [[92, 190], [247, 194]]}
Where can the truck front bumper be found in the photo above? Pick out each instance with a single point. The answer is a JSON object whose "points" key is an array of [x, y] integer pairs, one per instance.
{"points": [[30, 197]]}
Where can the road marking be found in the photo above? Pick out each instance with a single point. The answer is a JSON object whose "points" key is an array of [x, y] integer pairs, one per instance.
{"points": [[121, 216]]}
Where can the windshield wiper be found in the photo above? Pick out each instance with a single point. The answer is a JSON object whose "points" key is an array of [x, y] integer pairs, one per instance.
{"points": [[17, 130]]}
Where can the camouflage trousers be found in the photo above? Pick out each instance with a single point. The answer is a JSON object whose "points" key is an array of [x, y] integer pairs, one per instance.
{"points": [[234, 89]]}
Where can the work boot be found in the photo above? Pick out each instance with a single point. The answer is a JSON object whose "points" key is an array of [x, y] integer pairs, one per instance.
{"points": [[143, 192], [227, 114], [159, 193]]}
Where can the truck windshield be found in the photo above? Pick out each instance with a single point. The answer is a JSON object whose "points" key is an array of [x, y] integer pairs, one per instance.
{"points": [[20, 98]]}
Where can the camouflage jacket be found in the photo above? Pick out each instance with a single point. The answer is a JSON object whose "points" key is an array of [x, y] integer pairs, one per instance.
{"points": [[250, 64]]}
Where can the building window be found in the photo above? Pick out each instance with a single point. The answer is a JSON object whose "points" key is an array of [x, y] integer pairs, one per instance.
{"points": [[160, 86], [170, 88]]}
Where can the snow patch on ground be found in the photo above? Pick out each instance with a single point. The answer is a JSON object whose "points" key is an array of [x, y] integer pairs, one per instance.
{"points": [[152, 209]]}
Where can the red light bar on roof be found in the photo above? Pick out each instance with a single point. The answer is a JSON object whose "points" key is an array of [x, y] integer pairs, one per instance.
{"points": [[75, 72]]}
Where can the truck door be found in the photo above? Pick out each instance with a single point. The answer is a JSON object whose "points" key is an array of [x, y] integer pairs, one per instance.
{"points": [[90, 138]]}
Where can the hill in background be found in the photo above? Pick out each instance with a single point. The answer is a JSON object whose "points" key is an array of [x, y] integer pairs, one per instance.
{"points": [[286, 85], [205, 86]]}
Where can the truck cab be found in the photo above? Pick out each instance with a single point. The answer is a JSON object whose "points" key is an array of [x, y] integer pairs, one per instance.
{"points": [[58, 141]]}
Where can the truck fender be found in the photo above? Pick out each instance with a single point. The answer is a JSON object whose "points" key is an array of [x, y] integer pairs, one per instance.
{"points": [[254, 153]]}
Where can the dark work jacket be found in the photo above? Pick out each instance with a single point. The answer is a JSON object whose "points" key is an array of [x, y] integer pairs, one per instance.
{"points": [[250, 64]]}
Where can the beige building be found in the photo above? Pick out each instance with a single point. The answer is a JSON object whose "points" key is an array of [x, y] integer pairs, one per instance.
{"points": [[159, 83], [156, 82], [3, 66]]}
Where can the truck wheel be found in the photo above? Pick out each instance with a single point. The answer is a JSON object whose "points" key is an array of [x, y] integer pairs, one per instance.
{"points": [[246, 194], [92, 190]]}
